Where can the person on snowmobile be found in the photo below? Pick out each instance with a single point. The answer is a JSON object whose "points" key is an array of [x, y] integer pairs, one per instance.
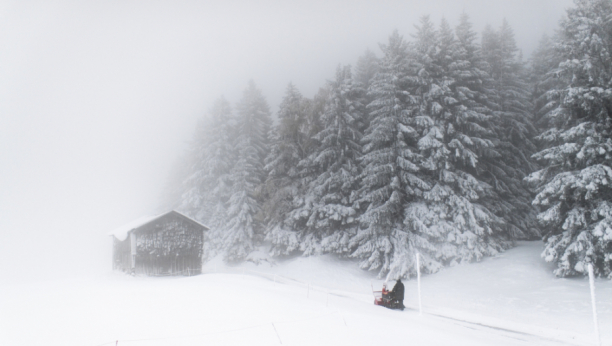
{"points": [[398, 292]]}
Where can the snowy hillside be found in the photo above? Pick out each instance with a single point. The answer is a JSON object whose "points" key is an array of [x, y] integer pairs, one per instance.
{"points": [[512, 299]]}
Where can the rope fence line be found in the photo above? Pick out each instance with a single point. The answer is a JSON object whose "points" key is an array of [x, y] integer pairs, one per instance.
{"points": [[278, 278], [419, 306]]}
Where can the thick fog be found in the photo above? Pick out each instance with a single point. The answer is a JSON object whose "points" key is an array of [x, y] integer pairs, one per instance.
{"points": [[98, 98]]}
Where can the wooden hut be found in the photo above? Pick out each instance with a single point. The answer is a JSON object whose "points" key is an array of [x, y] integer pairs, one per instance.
{"points": [[167, 244]]}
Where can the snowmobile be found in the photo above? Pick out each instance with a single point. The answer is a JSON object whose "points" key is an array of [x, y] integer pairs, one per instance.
{"points": [[385, 298]]}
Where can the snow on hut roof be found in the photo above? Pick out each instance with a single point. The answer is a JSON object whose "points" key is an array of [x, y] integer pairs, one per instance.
{"points": [[121, 232], [190, 219]]}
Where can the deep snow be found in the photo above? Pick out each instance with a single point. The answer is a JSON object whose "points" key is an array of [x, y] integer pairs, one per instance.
{"points": [[512, 299]]}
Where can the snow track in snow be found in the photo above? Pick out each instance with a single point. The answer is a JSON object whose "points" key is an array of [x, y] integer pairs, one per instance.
{"points": [[529, 338], [508, 301]]}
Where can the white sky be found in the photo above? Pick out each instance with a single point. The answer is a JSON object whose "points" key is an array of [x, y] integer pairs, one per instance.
{"points": [[97, 98]]}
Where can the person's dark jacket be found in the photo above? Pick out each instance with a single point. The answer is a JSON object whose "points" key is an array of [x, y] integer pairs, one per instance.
{"points": [[398, 290]]}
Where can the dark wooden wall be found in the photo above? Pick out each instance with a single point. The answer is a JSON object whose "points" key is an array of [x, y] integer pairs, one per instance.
{"points": [[168, 246], [121, 255]]}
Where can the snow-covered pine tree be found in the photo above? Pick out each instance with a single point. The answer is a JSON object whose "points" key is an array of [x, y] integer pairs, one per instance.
{"points": [[574, 189], [365, 70], [452, 223], [544, 61], [313, 110], [207, 188], [325, 215], [289, 145], [244, 226], [389, 177], [513, 120]]}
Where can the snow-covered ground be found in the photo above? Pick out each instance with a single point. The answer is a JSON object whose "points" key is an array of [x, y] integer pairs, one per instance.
{"points": [[512, 299]]}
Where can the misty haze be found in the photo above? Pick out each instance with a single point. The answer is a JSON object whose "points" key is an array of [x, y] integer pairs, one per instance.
{"points": [[266, 172]]}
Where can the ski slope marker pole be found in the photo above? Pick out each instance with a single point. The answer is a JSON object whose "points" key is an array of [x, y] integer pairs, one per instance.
{"points": [[418, 270], [592, 284]]}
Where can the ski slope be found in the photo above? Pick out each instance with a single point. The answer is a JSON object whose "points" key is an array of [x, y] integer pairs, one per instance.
{"points": [[512, 299]]}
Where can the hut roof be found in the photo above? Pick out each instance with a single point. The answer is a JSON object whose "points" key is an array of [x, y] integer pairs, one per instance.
{"points": [[122, 232]]}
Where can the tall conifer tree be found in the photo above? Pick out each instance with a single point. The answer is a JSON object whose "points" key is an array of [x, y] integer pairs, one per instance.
{"points": [[389, 177], [544, 62], [326, 213], [208, 185], [452, 223], [513, 118], [574, 187], [289, 145], [244, 222], [365, 70]]}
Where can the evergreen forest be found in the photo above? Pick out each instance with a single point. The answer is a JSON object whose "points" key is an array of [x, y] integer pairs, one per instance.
{"points": [[447, 143]]}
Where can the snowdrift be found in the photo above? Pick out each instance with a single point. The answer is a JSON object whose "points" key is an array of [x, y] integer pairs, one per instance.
{"points": [[511, 299]]}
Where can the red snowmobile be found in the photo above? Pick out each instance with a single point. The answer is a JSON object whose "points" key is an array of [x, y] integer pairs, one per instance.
{"points": [[385, 298]]}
